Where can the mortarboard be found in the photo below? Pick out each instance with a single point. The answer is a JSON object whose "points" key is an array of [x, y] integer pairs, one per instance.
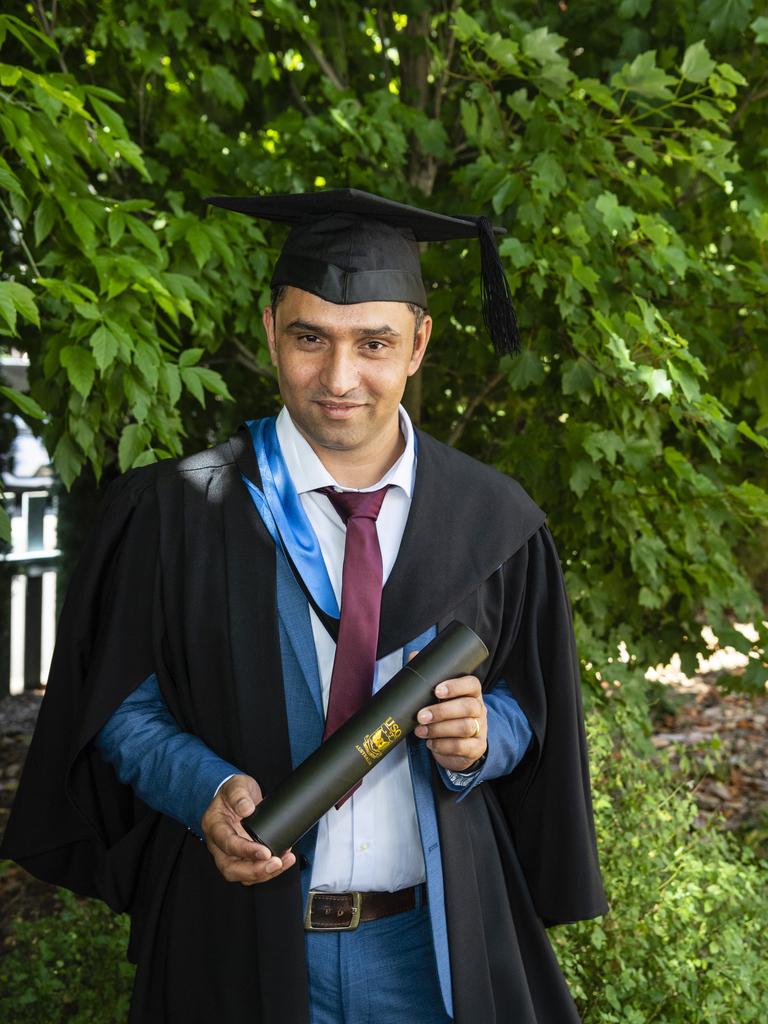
{"points": [[350, 246]]}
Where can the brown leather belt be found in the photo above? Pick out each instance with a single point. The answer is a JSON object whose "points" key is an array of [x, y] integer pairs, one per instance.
{"points": [[344, 911]]}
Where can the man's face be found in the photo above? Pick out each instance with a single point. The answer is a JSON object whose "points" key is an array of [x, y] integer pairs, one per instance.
{"points": [[342, 370]]}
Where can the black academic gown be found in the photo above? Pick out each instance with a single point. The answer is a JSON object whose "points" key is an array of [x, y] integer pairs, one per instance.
{"points": [[179, 578]]}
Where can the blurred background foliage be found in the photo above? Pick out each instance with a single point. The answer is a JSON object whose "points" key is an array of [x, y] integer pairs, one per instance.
{"points": [[623, 146]]}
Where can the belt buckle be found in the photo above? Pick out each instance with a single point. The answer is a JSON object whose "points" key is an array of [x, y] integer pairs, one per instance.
{"points": [[353, 922]]}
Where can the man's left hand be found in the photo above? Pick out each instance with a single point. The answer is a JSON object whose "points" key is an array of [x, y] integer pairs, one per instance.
{"points": [[456, 729]]}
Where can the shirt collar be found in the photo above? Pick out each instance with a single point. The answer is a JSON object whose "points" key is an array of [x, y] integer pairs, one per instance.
{"points": [[308, 473]]}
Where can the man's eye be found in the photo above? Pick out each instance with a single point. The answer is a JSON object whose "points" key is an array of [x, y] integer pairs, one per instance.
{"points": [[310, 338], [373, 345]]}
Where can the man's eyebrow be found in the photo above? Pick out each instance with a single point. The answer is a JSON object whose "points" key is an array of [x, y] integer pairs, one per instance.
{"points": [[363, 332], [378, 331], [305, 325]]}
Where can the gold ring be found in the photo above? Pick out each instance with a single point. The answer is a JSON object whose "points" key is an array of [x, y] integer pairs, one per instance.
{"points": [[477, 729]]}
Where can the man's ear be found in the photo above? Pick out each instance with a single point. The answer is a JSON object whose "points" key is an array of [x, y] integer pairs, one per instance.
{"points": [[420, 342], [268, 319]]}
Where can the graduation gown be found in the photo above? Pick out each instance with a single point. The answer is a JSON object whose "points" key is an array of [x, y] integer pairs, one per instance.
{"points": [[178, 578]]}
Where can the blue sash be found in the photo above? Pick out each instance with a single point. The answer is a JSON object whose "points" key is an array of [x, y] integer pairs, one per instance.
{"points": [[281, 511]]}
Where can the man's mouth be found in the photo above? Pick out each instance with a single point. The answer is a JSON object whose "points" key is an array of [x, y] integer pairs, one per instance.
{"points": [[339, 408]]}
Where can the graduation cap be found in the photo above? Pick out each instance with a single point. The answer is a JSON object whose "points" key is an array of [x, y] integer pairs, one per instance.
{"points": [[350, 246]]}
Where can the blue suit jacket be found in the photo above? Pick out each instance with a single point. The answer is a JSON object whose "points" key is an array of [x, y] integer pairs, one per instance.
{"points": [[178, 774]]}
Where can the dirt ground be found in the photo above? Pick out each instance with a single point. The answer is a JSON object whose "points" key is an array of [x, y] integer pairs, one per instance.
{"points": [[736, 791]]}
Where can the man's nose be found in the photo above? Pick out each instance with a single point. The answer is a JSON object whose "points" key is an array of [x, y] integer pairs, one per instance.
{"points": [[339, 373]]}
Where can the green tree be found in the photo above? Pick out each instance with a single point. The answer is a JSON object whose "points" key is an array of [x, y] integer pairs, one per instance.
{"points": [[625, 161]]}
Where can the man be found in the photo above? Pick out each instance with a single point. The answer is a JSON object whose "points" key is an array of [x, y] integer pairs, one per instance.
{"points": [[206, 647]]}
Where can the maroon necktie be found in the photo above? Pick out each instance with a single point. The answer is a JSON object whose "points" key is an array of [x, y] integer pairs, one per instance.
{"points": [[361, 581]]}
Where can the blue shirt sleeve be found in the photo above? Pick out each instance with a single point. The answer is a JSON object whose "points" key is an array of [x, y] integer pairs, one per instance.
{"points": [[509, 736], [170, 770]]}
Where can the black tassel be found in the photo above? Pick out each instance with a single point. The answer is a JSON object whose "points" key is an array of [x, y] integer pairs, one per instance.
{"points": [[498, 311]]}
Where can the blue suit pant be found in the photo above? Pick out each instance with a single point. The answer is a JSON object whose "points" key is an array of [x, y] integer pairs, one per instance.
{"points": [[383, 972]]}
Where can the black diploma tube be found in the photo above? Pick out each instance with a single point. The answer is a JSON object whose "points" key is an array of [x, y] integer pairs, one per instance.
{"points": [[320, 781]]}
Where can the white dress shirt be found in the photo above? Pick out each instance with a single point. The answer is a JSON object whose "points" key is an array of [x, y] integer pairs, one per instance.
{"points": [[372, 842]]}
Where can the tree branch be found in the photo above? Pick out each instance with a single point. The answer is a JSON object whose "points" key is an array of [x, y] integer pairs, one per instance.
{"points": [[47, 27], [301, 103], [325, 66], [247, 359], [751, 98], [440, 87], [22, 240], [466, 416]]}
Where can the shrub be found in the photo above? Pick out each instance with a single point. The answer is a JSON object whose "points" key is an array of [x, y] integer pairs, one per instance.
{"points": [[68, 967], [684, 941]]}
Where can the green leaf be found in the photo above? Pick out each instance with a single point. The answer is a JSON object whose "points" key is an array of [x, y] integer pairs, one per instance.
{"points": [[5, 524], [81, 224], [104, 347], [656, 381], [616, 345], [222, 84], [17, 298], [171, 382], [133, 440], [190, 356], [191, 380], [9, 75], [687, 381], [576, 230], [116, 226], [469, 118], [708, 112], [122, 337], [629, 8], [45, 218], [526, 369], [25, 403], [514, 250], [144, 234], [745, 429], [9, 181], [586, 276], [146, 359], [755, 676], [582, 475], [617, 218], [697, 65], [641, 149], [67, 460], [109, 117], [80, 366], [577, 379], [503, 51], [542, 45], [724, 16], [644, 77], [674, 257], [754, 498], [760, 27], [147, 458], [548, 176], [465, 26], [177, 21], [603, 444], [200, 244], [731, 74], [213, 381], [600, 93]]}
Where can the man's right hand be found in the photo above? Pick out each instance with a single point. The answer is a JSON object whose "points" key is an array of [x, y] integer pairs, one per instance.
{"points": [[237, 856]]}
